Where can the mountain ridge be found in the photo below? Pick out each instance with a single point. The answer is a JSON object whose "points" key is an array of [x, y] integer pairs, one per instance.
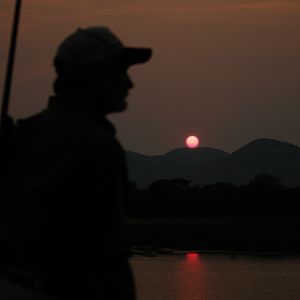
{"points": [[209, 165]]}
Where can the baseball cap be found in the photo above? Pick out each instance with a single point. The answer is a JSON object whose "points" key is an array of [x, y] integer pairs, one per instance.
{"points": [[87, 46]]}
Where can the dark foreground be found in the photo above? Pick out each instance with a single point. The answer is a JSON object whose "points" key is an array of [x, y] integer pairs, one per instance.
{"points": [[263, 234]]}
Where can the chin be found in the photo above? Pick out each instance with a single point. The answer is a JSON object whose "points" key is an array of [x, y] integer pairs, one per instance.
{"points": [[120, 107]]}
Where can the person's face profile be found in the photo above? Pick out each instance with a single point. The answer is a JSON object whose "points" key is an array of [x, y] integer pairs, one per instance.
{"points": [[111, 83]]}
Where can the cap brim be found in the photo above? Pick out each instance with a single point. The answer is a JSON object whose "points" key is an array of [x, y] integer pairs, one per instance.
{"points": [[132, 56]]}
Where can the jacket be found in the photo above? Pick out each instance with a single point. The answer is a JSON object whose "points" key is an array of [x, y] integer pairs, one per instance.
{"points": [[63, 211]]}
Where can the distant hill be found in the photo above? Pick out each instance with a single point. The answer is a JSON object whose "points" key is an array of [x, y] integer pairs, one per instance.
{"points": [[177, 163], [207, 165]]}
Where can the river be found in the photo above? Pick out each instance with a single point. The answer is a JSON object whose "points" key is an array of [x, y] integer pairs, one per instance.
{"points": [[211, 276]]}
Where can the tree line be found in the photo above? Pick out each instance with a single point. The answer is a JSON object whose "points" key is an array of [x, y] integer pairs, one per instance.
{"points": [[264, 195]]}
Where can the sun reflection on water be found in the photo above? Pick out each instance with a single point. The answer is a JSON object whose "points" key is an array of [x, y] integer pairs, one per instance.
{"points": [[192, 256], [190, 277]]}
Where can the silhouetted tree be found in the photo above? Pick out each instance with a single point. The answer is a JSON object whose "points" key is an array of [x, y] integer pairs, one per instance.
{"points": [[168, 186], [219, 186], [265, 180]]}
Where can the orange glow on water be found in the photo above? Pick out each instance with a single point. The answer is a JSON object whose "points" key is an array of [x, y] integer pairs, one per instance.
{"points": [[190, 276], [192, 256]]}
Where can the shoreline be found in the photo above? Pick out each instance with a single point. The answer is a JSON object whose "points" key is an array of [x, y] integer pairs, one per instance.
{"points": [[253, 235]]}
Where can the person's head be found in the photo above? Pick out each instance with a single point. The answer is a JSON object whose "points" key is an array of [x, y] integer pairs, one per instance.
{"points": [[91, 66]]}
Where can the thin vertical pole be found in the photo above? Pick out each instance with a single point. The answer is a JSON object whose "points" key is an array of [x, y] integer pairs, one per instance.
{"points": [[5, 120], [10, 64]]}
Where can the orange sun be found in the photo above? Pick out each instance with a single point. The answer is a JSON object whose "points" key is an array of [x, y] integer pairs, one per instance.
{"points": [[192, 142]]}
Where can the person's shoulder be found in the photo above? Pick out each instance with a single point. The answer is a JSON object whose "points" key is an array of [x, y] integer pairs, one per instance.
{"points": [[99, 139], [69, 132], [95, 136]]}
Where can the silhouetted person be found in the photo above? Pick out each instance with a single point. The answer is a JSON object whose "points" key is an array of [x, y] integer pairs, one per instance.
{"points": [[61, 220]]}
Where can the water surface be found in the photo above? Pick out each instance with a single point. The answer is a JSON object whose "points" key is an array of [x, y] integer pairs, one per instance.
{"points": [[214, 276]]}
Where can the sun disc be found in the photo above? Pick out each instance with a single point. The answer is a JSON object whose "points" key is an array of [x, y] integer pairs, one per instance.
{"points": [[192, 142]]}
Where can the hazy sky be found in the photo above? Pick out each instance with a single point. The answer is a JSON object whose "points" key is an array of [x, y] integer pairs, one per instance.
{"points": [[227, 71]]}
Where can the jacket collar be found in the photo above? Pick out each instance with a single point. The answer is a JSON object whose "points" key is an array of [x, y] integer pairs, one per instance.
{"points": [[56, 104]]}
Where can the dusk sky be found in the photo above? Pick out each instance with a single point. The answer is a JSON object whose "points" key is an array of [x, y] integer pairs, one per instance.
{"points": [[227, 71]]}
